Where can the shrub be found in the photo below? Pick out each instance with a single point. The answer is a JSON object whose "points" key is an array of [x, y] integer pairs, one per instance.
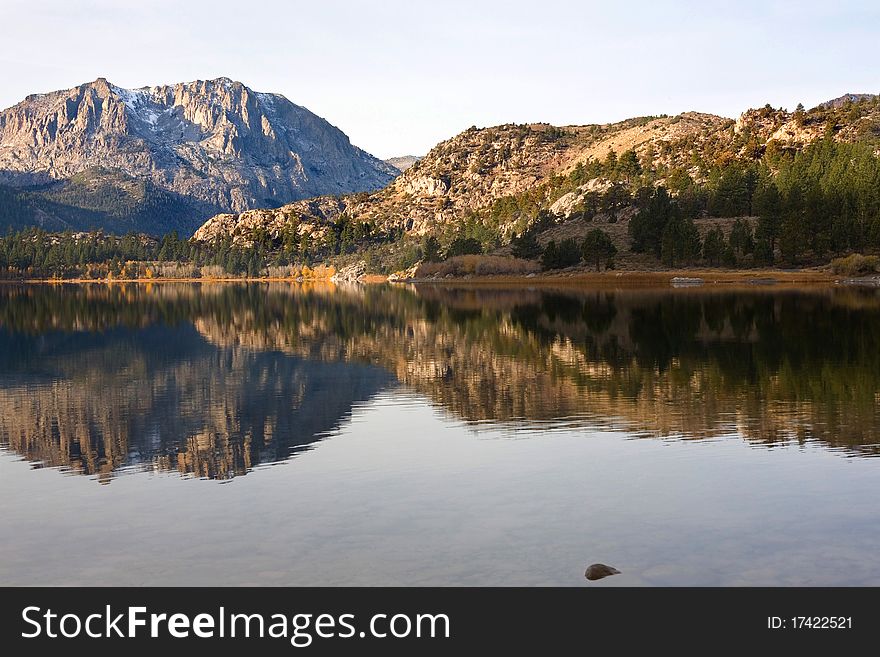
{"points": [[283, 271], [525, 246], [213, 271], [681, 243], [431, 249], [566, 254], [713, 247], [856, 265], [174, 270], [763, 253], [464, 246], [319, 272], [480, 265], [597, 248]]}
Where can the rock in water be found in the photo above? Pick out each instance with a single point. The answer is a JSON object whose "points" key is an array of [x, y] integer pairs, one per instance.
{"points": [[685, 281], [599, 570]]}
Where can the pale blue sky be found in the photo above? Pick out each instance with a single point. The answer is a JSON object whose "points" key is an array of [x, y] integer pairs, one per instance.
{"points": [[399, 76]]}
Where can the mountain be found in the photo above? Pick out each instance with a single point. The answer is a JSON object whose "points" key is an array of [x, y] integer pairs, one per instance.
{"points": [[163, 157], [847, 98], [493, 182], [403, 162], [472, 171]]}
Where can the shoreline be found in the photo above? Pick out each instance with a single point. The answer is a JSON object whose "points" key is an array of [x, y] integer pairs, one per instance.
{"points": [[689, 278]]}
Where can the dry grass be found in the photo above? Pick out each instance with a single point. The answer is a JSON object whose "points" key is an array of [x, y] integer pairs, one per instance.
{"points": [[478, 265], [856, 265], [753, 279]]}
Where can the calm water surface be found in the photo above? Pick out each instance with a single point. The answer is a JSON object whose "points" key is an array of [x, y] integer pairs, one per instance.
{"points": [[281, 434]]}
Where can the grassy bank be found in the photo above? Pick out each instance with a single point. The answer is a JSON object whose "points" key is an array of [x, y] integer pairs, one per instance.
{"points": [[649, 278]]}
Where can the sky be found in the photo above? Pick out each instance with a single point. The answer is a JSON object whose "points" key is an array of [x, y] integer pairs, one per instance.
{"points": [[398, 76]]}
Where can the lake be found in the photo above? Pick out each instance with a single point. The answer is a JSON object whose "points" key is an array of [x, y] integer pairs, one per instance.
{"points": [[288, 434]]}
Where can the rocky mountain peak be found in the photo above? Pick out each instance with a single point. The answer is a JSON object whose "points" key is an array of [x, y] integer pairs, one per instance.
{"points": [[840, 101], [217, 144]]}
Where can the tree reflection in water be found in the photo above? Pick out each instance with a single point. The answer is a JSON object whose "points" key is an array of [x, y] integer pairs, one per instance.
{"points": [[212, 380]]}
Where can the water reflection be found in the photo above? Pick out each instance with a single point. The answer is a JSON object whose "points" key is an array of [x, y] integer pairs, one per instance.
{"points": [[212, 380]]}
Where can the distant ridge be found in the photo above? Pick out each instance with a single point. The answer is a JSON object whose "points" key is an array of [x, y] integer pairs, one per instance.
{"points": [[403, 162], [847, 98]]}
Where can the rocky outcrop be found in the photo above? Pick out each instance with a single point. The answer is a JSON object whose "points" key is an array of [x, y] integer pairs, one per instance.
{"points": [[216, 143], [403, 162], [842, 101], [350, 274], [405, 274], [313, 217], [566, 204]]}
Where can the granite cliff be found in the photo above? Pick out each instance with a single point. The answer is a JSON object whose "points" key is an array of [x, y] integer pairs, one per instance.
{"points": [[101, 155]]}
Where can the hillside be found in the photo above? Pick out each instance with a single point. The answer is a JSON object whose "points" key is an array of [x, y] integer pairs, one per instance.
{"points": [[478, 167], [493, 183], [167, 157]]}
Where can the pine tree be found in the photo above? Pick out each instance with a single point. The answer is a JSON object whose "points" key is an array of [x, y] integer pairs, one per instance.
{"points": [[763, 252], [741, 239], [793, 231], [680, 243], [525, 246], [550, 256], [628, 166], [565, 254], [713, 247], [431, 249], [799, 115], [464, 246], [768, 205], [597, 248], [610, 164], [646, 228]]}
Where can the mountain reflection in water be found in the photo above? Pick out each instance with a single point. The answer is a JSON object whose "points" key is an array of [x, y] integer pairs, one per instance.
{"points": [[213, 380]]}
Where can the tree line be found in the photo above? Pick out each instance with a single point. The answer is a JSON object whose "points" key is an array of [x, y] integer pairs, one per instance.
{"points": [[35, 253]]}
